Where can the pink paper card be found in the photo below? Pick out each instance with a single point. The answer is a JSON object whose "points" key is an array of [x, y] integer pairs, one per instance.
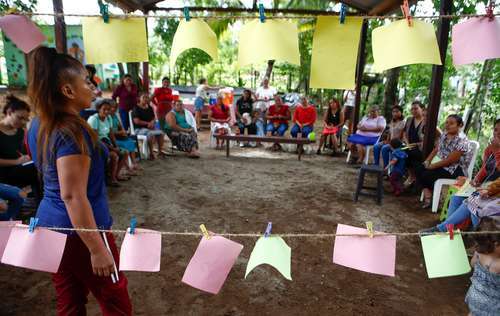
{"points": [[141, 251], [5, 229], [475, 40], [375, 255], [22, 31], [41, 250], [211, 263]]}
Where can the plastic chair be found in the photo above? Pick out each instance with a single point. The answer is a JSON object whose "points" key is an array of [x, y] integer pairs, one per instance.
{"points": [[144, 150], [438, 185], [444, 209]]}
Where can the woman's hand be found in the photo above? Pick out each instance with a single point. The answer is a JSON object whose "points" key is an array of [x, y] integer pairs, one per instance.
{"points": [[461, 181], [102, 262], [483, 193], [151, 125], [23, 159]]}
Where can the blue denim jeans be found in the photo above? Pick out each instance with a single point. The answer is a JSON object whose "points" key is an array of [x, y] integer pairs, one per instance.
{"points": [[458, 216], [455, 203], [280, 130], [260, 128], [15, 201], [305, 130], [386, 151]]}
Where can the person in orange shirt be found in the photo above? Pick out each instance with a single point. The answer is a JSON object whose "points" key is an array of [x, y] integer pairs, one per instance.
{"points": [[304, 118], [162, 99]]}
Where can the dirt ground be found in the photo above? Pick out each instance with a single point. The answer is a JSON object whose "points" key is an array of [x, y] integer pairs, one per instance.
{"points": [[241, 194]]}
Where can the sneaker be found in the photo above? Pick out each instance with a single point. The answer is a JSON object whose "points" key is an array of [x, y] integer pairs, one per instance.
{"points": [[429, 231]]}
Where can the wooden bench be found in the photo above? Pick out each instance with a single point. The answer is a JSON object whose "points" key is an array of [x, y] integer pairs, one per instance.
{"points": [[300, 142]]}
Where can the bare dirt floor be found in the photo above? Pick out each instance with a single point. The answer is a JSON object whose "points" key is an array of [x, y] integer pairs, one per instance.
{"points": [[241, 194]]}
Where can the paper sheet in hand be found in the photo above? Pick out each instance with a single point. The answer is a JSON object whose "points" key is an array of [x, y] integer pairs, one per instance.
{"points": [[22, 31], [193, 34], [273, 251], [41, 250], [211, 263], [398, 44], [475, 40], [443, 256], [274, 39], [375, 255], [120, 40], [335, 52], [141, 251]]}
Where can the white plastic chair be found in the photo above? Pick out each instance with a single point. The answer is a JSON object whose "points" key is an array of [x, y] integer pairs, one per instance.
{"points": [[367, 152], [438, 185], [143, 138]]}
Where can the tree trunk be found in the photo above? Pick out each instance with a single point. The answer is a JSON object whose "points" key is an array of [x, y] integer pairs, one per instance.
{"points": [[121, 71], [391, 91], [269, 70], [133, 70], [480, 92]]}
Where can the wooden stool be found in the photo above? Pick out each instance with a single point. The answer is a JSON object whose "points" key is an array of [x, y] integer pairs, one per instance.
{"points": [[379, 171]]}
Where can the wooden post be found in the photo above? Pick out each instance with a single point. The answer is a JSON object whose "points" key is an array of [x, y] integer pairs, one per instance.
{"points": [[359, 73], [145, 65], [436, 87], [59, 27]]}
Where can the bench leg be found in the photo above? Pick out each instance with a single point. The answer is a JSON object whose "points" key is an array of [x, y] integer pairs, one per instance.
{"points": [[300, 149], [227, 147]]}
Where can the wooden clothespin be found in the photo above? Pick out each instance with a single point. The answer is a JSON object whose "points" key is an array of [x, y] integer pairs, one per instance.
{"points": [[262, 16], [12, 10], [268, 229], [369, 228], [489, 11], [343, 10], [204, 231], [187, 15], [449, 227], [406, 12]]}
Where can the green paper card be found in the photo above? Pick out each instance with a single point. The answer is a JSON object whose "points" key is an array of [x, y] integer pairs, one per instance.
{"points": [[443, 256], [273, 251]]}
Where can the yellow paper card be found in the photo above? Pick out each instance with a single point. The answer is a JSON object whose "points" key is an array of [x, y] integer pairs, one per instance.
{"points": [[335, 52], [398, 44], [193, 34], [120, 40], [273, 39]]}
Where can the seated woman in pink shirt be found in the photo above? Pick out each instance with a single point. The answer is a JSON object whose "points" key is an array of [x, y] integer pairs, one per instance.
{"points": [[369, 130]]}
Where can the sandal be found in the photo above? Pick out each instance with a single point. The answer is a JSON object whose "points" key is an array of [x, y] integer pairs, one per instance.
{"points": [[114, 184], [426, 204]]}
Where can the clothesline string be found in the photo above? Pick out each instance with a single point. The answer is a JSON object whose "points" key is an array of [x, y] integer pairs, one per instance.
{"points": [[285, 235], [248, 16]]}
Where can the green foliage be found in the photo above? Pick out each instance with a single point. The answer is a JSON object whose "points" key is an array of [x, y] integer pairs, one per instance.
{"points": [[21, 5]]}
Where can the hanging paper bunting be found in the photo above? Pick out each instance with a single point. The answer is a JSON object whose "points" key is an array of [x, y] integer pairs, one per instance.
{"points": [[274, 251], [271, 40], [22, 31], [40, 250], [211, 263], [193, 34], [116, 41], [141, 251], [444, 256], [375, 255], [335, 52], [5, 229], [475, 40], [398, 44]]}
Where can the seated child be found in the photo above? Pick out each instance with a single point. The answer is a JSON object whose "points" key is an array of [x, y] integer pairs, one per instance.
{"points": [[483, 296], [397, 166]]}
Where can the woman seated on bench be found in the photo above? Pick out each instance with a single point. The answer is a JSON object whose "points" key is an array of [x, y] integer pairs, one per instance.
{"points": [[304, 118], [333, 120], [369, 130], [453, 158], [218, 115], [144, 124], [278, 116], [180, 126], [244, 113]]}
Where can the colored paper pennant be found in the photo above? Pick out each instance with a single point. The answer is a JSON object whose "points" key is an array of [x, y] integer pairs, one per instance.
{"points": [[141, 251], [444, 256], [211, 263], [475, 40], [398, 44], [116, 41], [273, 251], [193, 34], [40, 250], [272, 40], [22, 31], [375, 255], [5, 229], [335, 53]]}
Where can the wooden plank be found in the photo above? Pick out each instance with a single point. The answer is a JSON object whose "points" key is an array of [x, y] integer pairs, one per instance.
{"points": [[265, 139], [443, 31]]}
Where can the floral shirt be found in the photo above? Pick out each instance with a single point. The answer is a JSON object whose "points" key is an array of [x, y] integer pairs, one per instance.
{"points": [[457, 143]]}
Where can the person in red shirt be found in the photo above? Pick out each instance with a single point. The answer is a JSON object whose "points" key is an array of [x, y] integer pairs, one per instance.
{"points": [[304, 118], [278, 116], [219, 118], [162, 99]]}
